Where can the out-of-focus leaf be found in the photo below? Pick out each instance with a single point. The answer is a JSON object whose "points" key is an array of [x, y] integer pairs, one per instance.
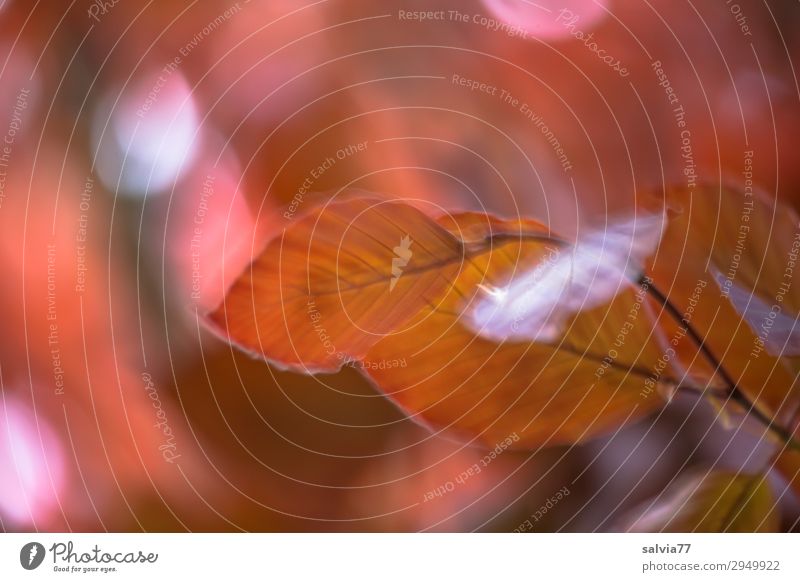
{"points": [[712, 502], [726, 263]]}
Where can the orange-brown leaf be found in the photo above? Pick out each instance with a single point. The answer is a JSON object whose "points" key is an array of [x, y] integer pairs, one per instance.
{"points": [[480, 326], [324, 291], [726, 263], [564, 381]]}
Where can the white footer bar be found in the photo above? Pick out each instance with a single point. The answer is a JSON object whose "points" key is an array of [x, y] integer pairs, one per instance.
{"points": [[401, 557]]}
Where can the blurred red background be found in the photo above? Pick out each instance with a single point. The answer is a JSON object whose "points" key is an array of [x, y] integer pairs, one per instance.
{"points": [[151, 149]]}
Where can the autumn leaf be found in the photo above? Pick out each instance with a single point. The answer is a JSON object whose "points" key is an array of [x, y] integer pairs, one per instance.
{"points": [[548, 342], [725, 266], [321, 294], [711, 502], [486, 327]]}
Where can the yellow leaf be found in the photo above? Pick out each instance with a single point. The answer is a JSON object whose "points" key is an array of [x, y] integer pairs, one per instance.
{"points": [[711, 502]]}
